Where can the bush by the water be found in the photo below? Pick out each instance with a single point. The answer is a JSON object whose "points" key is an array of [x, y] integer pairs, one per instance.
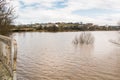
{"points": [[84, 38], [116, 41]]}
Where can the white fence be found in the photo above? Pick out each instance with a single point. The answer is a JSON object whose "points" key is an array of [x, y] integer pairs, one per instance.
{"points": [[8, 55]]}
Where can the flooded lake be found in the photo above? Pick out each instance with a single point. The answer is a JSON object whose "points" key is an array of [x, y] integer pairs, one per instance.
{"points": [[53, 56]]}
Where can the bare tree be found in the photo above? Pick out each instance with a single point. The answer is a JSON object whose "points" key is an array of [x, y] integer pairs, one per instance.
{"points": [[6, 17]]}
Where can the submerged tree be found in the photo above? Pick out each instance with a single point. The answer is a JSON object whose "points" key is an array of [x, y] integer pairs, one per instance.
{"points": [[117, 41], [84, 38], [6, 17]]}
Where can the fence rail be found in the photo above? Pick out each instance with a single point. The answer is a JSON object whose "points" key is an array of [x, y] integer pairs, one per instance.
{"points": [[8, 57]]}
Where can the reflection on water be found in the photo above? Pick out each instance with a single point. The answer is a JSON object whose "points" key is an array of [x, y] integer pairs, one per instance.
{"points": [[52, 56]]}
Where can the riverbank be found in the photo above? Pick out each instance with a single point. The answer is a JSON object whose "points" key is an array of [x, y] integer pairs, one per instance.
{"points": [[33, 30]]}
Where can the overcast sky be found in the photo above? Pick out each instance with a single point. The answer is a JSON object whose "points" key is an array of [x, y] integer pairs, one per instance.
{"points": [[99, 12]]}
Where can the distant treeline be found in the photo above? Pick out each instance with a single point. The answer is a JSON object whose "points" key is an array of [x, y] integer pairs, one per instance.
{"points": [[55, 27]]}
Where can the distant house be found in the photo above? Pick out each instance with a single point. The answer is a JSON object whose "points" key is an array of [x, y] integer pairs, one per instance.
{"points": [[89, 25], [36, 25], [43, 25], [80, 25], [52, 24]]}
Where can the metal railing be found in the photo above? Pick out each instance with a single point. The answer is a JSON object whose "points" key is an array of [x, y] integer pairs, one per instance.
{"points": [[8, 56]]}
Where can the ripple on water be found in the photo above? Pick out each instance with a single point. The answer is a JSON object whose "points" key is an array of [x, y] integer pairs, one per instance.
{"points": [[52, 56]]}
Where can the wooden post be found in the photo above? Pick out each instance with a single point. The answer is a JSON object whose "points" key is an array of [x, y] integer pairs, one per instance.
{"points": [[15, 55]]}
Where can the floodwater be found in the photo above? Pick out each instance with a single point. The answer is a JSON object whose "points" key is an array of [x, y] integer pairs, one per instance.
{"points": [[53, 56]]}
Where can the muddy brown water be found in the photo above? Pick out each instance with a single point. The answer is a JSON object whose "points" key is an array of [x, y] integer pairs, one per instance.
{"points": [[53, 56]]}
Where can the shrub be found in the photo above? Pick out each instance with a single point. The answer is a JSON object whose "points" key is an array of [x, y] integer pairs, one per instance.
{"points": [[84, 38]]}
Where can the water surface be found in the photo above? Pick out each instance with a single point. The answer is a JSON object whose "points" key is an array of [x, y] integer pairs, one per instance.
{"points": [[53, 56]]}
